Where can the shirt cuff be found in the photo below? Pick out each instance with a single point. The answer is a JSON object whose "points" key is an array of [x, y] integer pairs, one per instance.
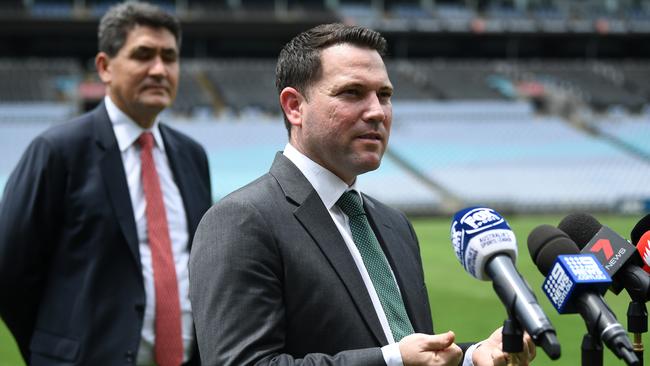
{"points": [[467, 360], [392, 355]]}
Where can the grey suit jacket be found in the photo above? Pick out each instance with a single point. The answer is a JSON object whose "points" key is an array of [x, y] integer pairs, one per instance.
{"points": [[272, 281]]}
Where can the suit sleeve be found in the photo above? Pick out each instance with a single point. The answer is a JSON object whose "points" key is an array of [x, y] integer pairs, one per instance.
{"points": [[236, 290], [30, 218]]}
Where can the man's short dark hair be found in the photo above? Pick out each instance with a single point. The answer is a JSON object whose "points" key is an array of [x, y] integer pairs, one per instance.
{"points": [[120, 19], [299, 64]]}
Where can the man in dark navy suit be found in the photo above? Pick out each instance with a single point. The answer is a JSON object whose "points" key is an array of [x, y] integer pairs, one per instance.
{"points": [[97, 218]]}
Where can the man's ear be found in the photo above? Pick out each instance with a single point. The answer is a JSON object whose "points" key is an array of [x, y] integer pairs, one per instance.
{"points": [[291, 101], [102, 64]]}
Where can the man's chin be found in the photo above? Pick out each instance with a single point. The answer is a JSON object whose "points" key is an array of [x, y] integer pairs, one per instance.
{"points": [[369, 164], [158, 103]]}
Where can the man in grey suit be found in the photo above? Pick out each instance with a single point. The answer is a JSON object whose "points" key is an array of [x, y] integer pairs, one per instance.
{"points": [[284, 271]]}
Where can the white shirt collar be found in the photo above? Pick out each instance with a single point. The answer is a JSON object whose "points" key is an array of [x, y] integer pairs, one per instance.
{"points": [[126, 130], [328, 186]]}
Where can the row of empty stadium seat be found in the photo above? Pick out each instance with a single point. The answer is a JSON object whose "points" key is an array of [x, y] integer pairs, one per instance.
{"points": [[444, 155], [632, 132], [244, 83], [216, 85], [537, 162], [365, 12], [38, 79]]}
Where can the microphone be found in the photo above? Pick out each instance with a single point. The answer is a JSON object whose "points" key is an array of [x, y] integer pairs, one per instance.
{"points": [[487, 249], [616, 254], [545, 244], [640, 236]]}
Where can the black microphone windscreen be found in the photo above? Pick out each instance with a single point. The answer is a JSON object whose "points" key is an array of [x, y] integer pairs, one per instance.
{"points": [[580, 227], [545, 243], [640, 228]]}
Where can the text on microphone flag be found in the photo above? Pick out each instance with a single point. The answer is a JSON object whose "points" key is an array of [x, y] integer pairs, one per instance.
{"points": [[568, 274]]}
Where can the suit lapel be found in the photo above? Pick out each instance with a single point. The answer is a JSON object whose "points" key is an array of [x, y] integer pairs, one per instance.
{"points": [[178, 158], [315, 218], [112, 170], [402, 263]]}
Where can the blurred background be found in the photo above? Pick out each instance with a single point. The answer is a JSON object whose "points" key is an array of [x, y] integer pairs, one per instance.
{"points": [[532, 107], [524, 105]]}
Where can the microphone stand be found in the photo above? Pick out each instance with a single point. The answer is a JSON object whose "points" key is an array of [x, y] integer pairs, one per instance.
{"points": [[637, 314], [512, 336], [592, 351], [637, 323]]}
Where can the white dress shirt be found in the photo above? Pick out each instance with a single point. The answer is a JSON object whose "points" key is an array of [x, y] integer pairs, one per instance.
{"points": [[127, 132], [330, 188]]}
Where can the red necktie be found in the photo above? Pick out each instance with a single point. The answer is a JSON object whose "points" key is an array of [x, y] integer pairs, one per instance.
{"points": [[168, 347]]}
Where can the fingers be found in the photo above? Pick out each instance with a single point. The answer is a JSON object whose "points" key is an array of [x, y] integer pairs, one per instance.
{"points": [[434, 350], [449, 356], [490, 352], [499, 358], [439, 341], [530, 347], [523, 358]]}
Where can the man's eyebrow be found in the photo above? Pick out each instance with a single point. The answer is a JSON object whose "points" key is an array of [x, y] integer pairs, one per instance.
{"points": [[141, 48], [350, 84]]}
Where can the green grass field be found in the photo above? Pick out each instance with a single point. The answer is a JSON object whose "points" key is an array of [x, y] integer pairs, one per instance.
{"points": [[470, 307], [467, 306]]}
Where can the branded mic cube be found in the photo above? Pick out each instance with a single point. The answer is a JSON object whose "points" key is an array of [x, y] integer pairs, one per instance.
{"points": [[572, 274]]}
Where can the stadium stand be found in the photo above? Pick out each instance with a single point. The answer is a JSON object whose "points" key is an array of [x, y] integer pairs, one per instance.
{"points": [[38, 79], [589, 79], [51, 9], [458, 79], [486, 112], [636, 77], [195, 95], [530, 163], [629, 132], [408, 83], [244, 83], [13, 7]]}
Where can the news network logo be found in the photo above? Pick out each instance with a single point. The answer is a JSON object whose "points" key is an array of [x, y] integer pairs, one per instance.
{"points": [[570, 272], [478, 233], [557, 287], [470, 221], [610, 249], [643, 247], [479, 219]]}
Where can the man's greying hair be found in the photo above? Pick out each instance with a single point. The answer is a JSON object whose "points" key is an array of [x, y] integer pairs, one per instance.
{"points": [[299, 64], [120, 19]]}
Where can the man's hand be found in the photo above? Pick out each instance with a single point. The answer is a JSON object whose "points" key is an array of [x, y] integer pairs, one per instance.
{"points": [[490, 353], [430, 350]]}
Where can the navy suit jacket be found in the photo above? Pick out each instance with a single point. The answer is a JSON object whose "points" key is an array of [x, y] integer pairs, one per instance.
{"points": [[70, 272]]}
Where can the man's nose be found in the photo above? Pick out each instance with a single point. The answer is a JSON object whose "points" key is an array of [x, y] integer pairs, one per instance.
{"points": [[158, 67], [375, 110]]}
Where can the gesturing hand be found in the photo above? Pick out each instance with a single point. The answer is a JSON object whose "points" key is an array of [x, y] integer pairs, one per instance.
{"points": [[430, 350], [490, 353]]}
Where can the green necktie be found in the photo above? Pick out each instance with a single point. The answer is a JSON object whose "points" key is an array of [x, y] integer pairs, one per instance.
{"points": [[376, 265]]}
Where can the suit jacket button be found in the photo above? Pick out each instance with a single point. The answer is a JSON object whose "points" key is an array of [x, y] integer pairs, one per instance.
{"points": [[128, 356], [139, 308]]}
